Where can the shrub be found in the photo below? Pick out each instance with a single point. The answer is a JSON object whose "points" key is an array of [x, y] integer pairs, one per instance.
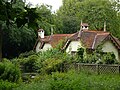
{"points": [[5, 85], [80, 52], [109, 58], [28, 64], [51, 65], [26, 54], [43, 62], [51, 61], [9, 71]]}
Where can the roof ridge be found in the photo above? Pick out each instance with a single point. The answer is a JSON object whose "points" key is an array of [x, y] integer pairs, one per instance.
{"points": [[103, 33], [95, 31]]}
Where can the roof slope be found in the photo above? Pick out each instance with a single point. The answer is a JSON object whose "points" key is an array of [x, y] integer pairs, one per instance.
{"points": [[52, 39], [90, 38], [56, 38]]}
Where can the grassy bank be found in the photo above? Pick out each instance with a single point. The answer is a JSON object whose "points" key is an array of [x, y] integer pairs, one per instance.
{"points": [[73, 81]]}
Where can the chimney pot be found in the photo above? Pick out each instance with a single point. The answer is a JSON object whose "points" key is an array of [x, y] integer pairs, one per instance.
{"points": [[41, 33], [84, 26]]}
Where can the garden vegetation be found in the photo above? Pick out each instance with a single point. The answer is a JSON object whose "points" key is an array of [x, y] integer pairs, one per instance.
{"points": [[47, 71]]}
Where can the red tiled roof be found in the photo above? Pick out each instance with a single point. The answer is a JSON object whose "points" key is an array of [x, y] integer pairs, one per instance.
{"points": [[53, 39], [99, 38], [56, 38], [90, 39]]}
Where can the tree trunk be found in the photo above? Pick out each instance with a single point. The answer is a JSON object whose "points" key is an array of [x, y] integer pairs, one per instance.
{"points": [[1, 42]]}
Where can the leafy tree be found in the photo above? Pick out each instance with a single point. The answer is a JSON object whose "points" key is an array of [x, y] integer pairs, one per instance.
{"points": [[11, 13], [94, 12], [45, 20], [66, 20], [17, 40], [99, 12]]}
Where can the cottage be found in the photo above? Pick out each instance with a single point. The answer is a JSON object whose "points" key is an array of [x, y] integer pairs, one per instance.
{"points": [[44, 43], [89, 39]]}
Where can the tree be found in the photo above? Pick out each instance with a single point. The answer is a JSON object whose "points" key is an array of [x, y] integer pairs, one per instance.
{"points": [[66, 19], [10, 14], [17, 40], [93, 12], [99, 12], [45, 20]]}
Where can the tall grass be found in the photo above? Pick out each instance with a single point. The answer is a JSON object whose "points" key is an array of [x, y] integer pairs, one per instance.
{"points": [[73, 81]]}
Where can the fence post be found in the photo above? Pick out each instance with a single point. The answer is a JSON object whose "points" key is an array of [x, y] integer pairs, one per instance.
{"points": [[98, 71]]}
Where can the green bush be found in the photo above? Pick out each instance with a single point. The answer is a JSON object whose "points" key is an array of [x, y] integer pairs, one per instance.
{"points": [[9, 71], [51, 65], [26, 54], [109, 58], [51, 61], [29, 63], [5, 85], [46, 62]]}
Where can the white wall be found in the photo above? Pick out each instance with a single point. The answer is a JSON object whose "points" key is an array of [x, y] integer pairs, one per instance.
{"points": [[73, 46], [37, 49], [46, 46], [108, 46]]}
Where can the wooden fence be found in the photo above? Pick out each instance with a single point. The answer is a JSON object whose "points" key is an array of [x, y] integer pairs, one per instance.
{"points": [[95, 68]]}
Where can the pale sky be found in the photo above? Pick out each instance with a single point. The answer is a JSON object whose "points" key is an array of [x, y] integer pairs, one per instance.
{"points": [[54, 3]]}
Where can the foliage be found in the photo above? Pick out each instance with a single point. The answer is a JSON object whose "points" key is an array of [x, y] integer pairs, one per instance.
{"points": [[5, 85], [15, 41], [104, 58], [29, 63], [26, 54], [80, 54], [50, 61], [15, 12], [74, 81], [43, 62], [9, 71], [45, 20], [109, 58], [51, 65], [97, 56], [69, 15]]}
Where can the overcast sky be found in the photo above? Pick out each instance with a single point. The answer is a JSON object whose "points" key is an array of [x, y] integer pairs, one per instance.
{"points": [[54, 3]]}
